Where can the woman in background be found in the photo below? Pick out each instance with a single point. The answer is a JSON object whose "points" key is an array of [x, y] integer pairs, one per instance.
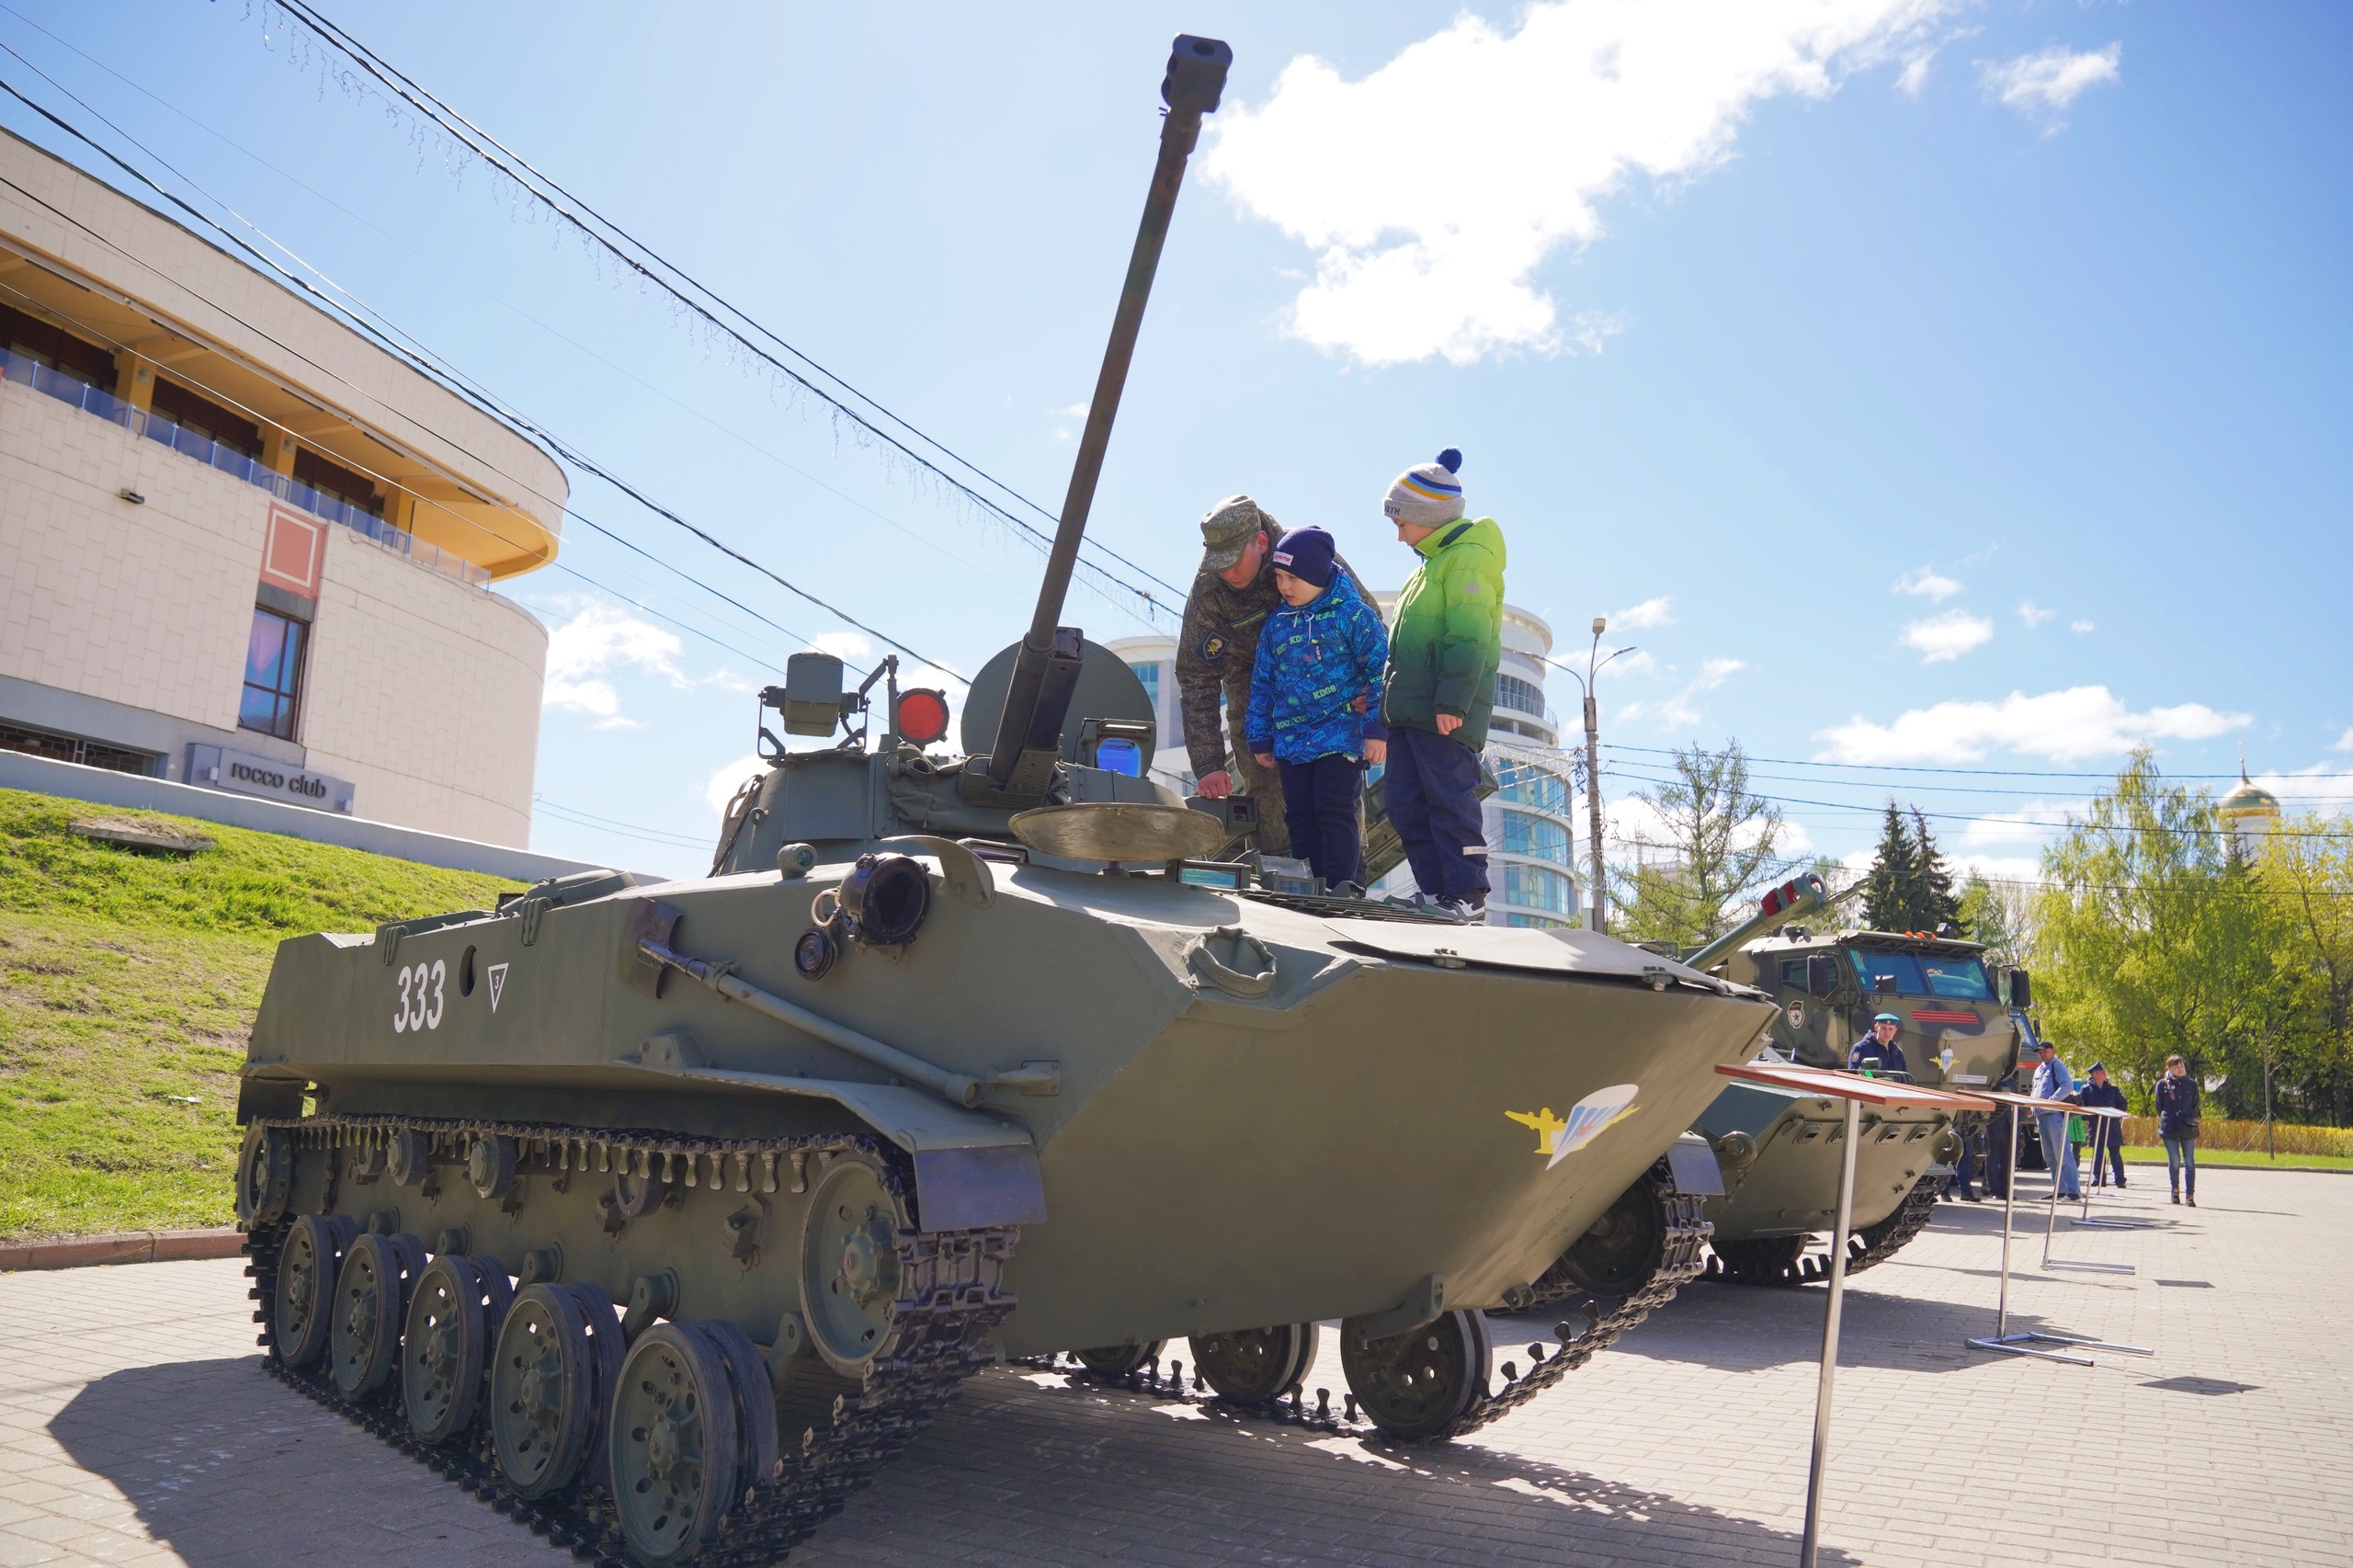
{"points": [[2177, 1125]]}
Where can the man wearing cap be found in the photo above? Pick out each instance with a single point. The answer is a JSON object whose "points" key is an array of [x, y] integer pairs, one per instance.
{"points": [[1440, 687], [1880, 1042], [2053, 1081], [1232, 593], [2106, 1132]]}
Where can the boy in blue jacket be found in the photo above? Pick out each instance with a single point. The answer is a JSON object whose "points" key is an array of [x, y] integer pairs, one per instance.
{"points": [[1315, 701]]}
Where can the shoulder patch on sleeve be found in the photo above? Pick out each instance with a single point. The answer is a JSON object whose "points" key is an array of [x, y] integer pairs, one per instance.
{"points": [[1213, 648]]}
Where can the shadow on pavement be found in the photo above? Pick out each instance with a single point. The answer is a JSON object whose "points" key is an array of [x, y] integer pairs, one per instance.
{"points": [[1741, 1328], [1021, 1473], [228, 1467]]}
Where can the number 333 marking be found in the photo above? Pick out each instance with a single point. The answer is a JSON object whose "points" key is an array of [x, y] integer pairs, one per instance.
{"points": [[420, 1006]]}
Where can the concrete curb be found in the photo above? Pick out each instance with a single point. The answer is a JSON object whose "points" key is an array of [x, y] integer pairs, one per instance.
{"points": [[2218, 1165], [131, 1247]]}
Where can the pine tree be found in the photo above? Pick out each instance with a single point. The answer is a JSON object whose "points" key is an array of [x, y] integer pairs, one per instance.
{"points": [[1934, 899], [1887, 889]]}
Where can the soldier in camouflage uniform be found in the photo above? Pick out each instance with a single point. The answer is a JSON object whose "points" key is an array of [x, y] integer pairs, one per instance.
{"points": [[1233, 595]]}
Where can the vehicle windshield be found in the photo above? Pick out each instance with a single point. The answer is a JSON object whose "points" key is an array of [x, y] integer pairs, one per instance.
{"points": [[1962, 979]]}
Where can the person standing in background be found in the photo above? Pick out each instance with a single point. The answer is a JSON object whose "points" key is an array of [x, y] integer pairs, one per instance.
{"points": [[2053, 1081], [2178, 1127], [1441, 688], [2107, 1134]]}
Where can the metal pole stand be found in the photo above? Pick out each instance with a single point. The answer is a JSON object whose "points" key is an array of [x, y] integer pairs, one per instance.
{"points": [[2051, 1228], [2002, 1340], [2107, 1134]]}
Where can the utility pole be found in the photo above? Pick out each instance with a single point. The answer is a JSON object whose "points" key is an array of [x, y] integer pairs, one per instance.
{"points": [[1598, 920]]}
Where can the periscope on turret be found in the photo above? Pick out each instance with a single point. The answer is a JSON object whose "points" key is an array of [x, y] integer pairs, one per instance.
{"points": [[667, 1213]]}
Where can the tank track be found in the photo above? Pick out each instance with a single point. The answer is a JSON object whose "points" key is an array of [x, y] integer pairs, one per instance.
{"points": [[1684, 1251], [950, 1301], [1865, 1248]]}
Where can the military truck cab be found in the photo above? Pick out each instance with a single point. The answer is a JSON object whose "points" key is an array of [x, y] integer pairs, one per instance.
{"points": [[1956, 1027]]}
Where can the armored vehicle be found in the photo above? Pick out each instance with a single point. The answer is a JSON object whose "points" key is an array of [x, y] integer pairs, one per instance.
{"points": [[665, 1213], [1779, 1149]]}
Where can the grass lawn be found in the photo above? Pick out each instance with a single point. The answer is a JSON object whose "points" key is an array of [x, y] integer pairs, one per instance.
{"points": [[127, 982], [2133, 1156]]}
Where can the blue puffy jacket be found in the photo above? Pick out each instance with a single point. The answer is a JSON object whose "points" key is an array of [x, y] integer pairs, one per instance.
{"points": [[1314, 660]]}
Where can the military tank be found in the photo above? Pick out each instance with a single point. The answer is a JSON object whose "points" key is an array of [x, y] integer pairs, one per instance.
{"points": [[665, 1213], [1779, 1149]]}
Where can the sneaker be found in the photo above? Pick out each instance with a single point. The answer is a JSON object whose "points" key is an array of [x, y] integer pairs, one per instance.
{"points": [[2176, 1198], [1453, 911], [2191, 1200]]}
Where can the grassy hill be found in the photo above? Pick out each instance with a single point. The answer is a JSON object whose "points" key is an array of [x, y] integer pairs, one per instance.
{"points": [[127, 982]]}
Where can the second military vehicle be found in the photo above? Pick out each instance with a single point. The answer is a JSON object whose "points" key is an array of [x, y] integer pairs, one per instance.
{"points": [[1779, 1148]]}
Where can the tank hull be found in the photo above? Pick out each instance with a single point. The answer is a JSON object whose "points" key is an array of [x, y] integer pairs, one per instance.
{"points": [[1207, 1162], [1791, 1185]]}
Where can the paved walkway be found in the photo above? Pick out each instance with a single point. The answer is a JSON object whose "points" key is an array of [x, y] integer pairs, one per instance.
{"points": [[135, 1427]]}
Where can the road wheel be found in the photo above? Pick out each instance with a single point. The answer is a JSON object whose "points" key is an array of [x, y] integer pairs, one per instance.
{"points": [[1415, 1386], [1256, 1366]]}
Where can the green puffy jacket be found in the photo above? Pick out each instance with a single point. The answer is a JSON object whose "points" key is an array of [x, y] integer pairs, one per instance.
{"points": [[1449, 632]]}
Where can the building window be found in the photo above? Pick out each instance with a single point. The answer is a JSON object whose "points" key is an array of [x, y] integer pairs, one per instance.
{"points": [[203, 418], [273, 674], [1536, 837], [68, 748], [29, 337], [1536, 887], [1150, 675], [1524, 696], [330, 478], [1530, 785], [1536, 922]]}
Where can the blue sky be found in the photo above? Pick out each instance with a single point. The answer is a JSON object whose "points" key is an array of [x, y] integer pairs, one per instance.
{"points": [[1918, 385]]}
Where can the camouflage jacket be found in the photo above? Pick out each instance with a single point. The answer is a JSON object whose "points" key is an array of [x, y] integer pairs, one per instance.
{"points": [[1216, 652]]}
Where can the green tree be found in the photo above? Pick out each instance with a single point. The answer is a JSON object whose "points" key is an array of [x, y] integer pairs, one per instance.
{"points": [[2001, 915], [1909, 887], [1712, 841], [2307, 867], [2145, 945]]}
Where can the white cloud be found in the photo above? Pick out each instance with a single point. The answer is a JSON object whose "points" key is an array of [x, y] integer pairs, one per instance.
{"points": [[1678, 712], [2033, 614], [2030, 824], [2079, 724], [599, 639], [2344, 741], [726, 781], [1928, 583], [849, 647], [2321, 788], [1433, 188], [1715, 672], [1915, 76], [2046, 82], [1067, 421], [1941, 639], [1659, 611], [2079, 627], [1639, 662]]}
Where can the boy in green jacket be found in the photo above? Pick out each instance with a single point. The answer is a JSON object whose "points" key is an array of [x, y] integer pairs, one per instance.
{"points": [[1440, 685]]}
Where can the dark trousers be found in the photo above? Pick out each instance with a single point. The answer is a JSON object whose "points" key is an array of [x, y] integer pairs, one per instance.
{"points": [[2106, 1132], [1320, 809], [1432, 784]]}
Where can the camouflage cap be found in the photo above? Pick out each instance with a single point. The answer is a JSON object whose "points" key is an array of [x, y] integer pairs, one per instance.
{"points": [[1226, 530]]}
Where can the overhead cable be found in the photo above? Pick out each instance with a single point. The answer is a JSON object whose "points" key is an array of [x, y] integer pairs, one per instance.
{"points": [[713, 309]]}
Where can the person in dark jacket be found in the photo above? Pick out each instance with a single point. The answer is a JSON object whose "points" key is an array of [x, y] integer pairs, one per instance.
{"points": [[1880, 1043], [2107, 1134], [2177, 1127]]}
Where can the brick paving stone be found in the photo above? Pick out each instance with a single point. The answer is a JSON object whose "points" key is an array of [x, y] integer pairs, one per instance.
{"points": [[136, 1427]]}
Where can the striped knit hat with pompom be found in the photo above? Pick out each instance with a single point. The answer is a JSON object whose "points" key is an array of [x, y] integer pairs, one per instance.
{"points": [[1428, 495]]}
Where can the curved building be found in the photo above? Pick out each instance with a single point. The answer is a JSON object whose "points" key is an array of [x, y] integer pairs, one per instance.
{"points": [[242, 547]]}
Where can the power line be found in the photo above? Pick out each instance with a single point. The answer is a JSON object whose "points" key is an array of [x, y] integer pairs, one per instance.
{"points": [[421, 359], [1966, 772], [692, 295]]}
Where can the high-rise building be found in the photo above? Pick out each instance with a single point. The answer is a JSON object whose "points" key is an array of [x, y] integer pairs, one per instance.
{"points": [[241, 545]]}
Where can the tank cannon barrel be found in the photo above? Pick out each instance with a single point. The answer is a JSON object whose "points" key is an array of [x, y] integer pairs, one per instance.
{"points": [[1029, 732], [1799, 895]]}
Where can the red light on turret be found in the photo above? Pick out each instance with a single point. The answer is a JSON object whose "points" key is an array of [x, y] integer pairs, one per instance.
{"points": [[923, 716]]}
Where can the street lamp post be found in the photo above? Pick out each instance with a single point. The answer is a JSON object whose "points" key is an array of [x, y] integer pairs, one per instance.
{"points": [[1598, 920]]}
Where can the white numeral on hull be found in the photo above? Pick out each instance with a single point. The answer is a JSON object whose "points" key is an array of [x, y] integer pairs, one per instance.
{"points": [[420, 1004]]}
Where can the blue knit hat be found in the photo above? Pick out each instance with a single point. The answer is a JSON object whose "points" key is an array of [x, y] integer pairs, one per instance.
{"points": [[1428, 495], [1306, 554]]}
